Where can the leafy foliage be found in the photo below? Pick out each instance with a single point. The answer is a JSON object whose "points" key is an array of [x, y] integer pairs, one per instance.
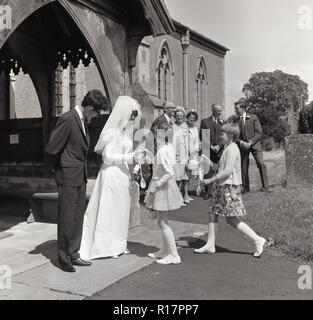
{"points": [[276, 98], [278, 90]]}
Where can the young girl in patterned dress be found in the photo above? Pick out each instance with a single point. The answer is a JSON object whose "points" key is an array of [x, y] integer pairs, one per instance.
{"points": [[163, 195], [226, 196]]}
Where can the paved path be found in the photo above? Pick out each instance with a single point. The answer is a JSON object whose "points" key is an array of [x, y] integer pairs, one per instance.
{"points": [[232, 273], [30, 251]]}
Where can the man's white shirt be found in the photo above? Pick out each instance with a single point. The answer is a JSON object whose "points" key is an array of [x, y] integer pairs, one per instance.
{"points": [[82, 119], [167, 118], [244, 116]]}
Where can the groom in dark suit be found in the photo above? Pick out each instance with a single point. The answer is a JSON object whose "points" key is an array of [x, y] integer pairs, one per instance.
{"points": [[250, 142], [67, 151]]}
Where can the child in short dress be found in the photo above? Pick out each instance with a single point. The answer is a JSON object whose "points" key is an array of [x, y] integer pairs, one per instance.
{"points": [[226, 196], [163, 195]]}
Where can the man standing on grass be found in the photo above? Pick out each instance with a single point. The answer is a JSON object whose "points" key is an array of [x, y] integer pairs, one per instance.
{"points": [[250, 142]]}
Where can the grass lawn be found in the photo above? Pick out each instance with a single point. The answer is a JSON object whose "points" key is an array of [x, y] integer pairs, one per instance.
{"points": [[285, 215]]}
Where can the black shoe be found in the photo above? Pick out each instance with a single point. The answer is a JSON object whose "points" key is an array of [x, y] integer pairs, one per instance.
{"points": [[81, 263], [67, 267]]}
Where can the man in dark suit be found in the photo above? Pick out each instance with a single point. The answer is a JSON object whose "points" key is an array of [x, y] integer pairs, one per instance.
{"points": [[210, 130], [164, 118], [250, 142], [67, 151]]}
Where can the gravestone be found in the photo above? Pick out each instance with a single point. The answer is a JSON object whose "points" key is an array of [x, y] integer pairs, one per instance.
{"points": [[299, 160]]}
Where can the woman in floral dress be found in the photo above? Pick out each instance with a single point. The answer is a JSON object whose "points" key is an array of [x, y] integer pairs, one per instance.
{"points": [[226, 194]]}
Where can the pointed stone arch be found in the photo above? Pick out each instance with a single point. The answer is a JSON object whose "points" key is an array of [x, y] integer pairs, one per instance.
{"points": [[201, 86], [109, 31], [164, 73], [87, 30]]}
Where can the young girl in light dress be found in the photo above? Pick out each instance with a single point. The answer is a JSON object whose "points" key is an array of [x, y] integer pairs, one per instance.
{"points": [[226, 198], [163, 195]]}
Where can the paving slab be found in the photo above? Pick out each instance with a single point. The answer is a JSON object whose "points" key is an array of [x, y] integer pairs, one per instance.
{"points": [[31, 252], [25, 292]]}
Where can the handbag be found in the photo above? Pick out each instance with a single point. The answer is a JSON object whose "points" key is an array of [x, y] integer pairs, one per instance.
{"points": [[214, 184], [201, 177]]}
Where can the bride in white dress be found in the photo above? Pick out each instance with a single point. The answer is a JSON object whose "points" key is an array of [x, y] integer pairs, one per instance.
{"points": [[106, 221]]}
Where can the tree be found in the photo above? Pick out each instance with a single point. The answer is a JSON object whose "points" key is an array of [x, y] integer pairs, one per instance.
{"points": [[276, 97]]}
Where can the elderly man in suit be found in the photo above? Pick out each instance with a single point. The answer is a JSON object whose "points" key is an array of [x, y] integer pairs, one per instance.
{"points": [[210, 130], [68, 150], [250, 142], [164, 118]]}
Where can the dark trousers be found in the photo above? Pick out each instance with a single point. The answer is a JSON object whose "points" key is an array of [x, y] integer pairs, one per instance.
{"points": [[258, 156], [71, 210]]}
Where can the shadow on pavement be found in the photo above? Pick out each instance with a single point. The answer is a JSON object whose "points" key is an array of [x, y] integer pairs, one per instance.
{"points": [[197, 243], [140, 249], [6, 223], [49, 250]]}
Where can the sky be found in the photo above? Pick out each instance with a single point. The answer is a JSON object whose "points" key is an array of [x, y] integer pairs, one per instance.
{"points": [[262, 35]]}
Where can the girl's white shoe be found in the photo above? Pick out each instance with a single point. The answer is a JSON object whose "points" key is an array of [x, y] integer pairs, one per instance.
{"points": [[259, 247], [115, 256], [157, 255], [170, 260], [205, 250], [126, 251]]}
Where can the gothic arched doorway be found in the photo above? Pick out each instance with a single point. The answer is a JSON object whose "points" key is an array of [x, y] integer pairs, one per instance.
{"points": [[49, 48]]}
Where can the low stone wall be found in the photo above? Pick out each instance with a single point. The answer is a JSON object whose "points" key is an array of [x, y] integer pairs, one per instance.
{"points": [[299, 160]]}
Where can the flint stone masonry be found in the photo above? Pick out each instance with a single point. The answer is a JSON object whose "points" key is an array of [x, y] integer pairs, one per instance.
{"points": [[299, 160]]}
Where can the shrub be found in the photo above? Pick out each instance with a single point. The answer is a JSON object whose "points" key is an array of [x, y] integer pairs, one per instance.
{"points": [[272, 124], [268, 144], [281, 131]]}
